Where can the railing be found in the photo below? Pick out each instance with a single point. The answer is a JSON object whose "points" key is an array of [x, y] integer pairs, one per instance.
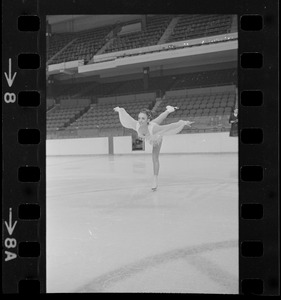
{"points": [[204, 86], [168, 46]]}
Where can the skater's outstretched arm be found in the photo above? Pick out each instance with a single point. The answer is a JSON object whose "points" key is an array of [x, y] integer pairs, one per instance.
{"points": [[164, 115], [170, 129], [125, 119]]}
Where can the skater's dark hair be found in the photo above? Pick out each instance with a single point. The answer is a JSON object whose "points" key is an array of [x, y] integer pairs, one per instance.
{"points": [[147, 112]]}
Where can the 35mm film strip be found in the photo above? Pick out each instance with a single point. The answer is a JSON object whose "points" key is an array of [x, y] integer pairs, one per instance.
{"points": [[24, 63]]}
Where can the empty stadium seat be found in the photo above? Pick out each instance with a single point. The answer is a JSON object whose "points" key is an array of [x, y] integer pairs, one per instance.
{"points": [[85, 46], [195, 26], [155, 27]]}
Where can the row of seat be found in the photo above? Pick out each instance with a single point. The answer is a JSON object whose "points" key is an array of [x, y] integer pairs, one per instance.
{"points": [[155, 27], [98, 117], [103, 115], [86, 45], [204, 99], [61, 116], [219, 104], [57, 42], [193, 26], [197, 34]]}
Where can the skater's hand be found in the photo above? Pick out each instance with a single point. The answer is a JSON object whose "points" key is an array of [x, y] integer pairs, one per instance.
{"points": [[116, 109], [188, 123], [171, 108]]}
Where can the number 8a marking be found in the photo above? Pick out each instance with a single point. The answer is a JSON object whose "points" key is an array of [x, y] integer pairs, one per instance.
{"points": [[10, 97]]}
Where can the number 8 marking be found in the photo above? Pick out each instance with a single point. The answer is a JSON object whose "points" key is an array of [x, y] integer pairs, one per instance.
{"points": [[10, 243], [10, 97]]}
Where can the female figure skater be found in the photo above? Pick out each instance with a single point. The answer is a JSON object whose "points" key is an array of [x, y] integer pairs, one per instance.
{"points": [[152, 131]]}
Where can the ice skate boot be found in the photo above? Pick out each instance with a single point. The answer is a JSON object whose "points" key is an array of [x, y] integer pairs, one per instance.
{"points": [[154, 183]]}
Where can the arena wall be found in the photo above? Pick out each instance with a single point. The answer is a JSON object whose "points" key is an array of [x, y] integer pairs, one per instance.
{"points": [[182, 143], [86, 146]]}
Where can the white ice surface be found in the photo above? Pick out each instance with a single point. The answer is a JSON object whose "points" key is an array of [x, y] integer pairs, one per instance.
{"points": [[108, 232]]}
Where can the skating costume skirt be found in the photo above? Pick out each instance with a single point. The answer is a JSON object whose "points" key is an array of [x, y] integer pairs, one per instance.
{"points": [[153, 139]]}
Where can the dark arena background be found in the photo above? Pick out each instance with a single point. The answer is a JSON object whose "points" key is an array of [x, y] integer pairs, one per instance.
{"points": [[106, 230]]}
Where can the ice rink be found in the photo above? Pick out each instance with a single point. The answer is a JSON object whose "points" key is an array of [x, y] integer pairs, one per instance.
{"points": [[107, 231]]}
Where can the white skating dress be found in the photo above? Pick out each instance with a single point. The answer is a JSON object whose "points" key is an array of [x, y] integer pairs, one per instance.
{"points": [[155, 131]]}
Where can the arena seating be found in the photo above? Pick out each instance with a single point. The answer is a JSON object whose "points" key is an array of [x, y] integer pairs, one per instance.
{"points": [[57, 42], [195, 26], [208, 110], [89, 42], [103, 116], [156, 25], [65, 113], [86, 45]]}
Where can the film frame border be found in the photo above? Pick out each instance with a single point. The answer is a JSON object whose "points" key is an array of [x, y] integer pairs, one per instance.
{"points": [[24, 166]]}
